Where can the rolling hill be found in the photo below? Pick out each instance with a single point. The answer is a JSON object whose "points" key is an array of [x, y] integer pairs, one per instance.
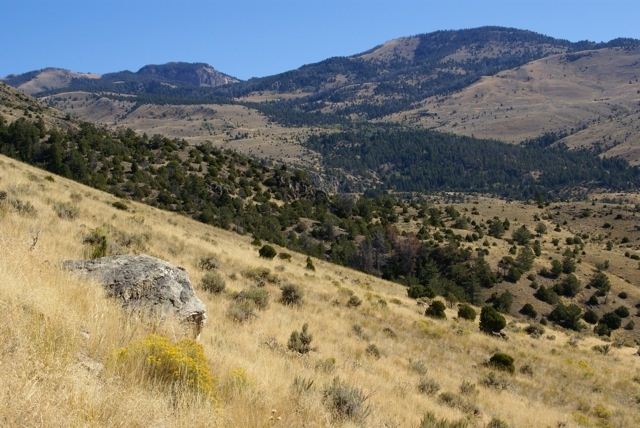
{"points": [[394, 365], [590, 95]]}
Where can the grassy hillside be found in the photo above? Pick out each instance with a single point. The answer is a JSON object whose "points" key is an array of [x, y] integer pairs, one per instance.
{"points": [[228, 126], [60, 334], [433, 246], [591, 94]]}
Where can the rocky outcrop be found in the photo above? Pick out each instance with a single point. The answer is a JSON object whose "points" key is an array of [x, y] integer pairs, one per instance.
{"points": [[146, 283]]}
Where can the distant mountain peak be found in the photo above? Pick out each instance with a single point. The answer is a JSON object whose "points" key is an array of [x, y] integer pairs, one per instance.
{"points": [[174, 74], [46, 79], [192, 74]]}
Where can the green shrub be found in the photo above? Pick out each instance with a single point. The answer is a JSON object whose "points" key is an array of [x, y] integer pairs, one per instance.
{"points": [[569, 286], [310, 265], [429, 420], [213, 282], [97, 243], [630, 325], [119, 205], [346, 402], [66, 211], [436, 310], [291, 295], [354, 301], [267, 252], [534, 331], [567, 316], [521, 235], [466, 312], [181, 364], [497, 423], [601, 329], [457, 402], [601, 282], [622, 311], [528, 310], [209, 262], [590, 316], [24, 208], [502, 303], [261, 276], [491, 321], [546, 295], [373, 351], [284, 256], [593, 300], [300, 341], [428, 386], [258, 296], [418, 366], [611, 320], [241, 311], [502, 361], [568, 265]]}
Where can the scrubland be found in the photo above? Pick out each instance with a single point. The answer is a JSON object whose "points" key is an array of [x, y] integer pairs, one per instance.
{"points": [[374, 360]]}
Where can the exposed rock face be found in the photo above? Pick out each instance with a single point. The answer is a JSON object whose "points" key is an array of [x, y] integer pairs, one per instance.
{"points": [[146, 283]]}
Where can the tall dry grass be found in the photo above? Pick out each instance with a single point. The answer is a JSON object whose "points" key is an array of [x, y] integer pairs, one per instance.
{"points": [[58, 335]]}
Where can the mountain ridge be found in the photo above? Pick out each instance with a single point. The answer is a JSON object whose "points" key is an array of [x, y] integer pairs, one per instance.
{"points": [[175, 73], [412, 80]]}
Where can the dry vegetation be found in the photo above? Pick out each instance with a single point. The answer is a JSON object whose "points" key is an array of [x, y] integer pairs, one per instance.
{"points": [[14, 105], [617, 245], [59, 336], [597, 90], [224, 125]]}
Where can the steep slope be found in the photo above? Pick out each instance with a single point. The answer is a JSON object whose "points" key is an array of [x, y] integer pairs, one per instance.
{"points": [[45, 80], [231, 126], [65, 332], [588, 94], [15, 105], [410, 240], [390, 77]]}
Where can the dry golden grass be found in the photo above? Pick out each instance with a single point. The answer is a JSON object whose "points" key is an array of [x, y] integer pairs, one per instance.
{"points": [[58, 335], [597, 91], [623, 272], [224, 125]]}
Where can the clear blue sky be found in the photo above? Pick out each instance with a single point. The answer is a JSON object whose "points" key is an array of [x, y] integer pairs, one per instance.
{"points": [[260, 37]]}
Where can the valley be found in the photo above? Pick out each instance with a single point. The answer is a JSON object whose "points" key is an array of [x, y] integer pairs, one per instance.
{"points": [[442, 231]]}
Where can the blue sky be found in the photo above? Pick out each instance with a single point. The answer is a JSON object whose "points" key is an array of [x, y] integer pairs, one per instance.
{"points": [[248, 38]]}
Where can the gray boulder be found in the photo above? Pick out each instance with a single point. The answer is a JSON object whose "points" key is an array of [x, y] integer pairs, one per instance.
{"points": [[146, 283]]}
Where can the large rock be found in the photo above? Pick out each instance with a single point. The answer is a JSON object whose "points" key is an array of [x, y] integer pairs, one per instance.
{"points": [[146, 283]]}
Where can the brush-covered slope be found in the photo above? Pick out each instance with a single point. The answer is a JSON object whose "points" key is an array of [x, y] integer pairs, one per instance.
{"points": [[45, 80], [59, 336], [591, 95], [389, 77], [15, 105]]}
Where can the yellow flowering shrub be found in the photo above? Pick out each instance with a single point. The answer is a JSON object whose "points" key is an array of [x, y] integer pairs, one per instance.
{"points": [[176, 364]]}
